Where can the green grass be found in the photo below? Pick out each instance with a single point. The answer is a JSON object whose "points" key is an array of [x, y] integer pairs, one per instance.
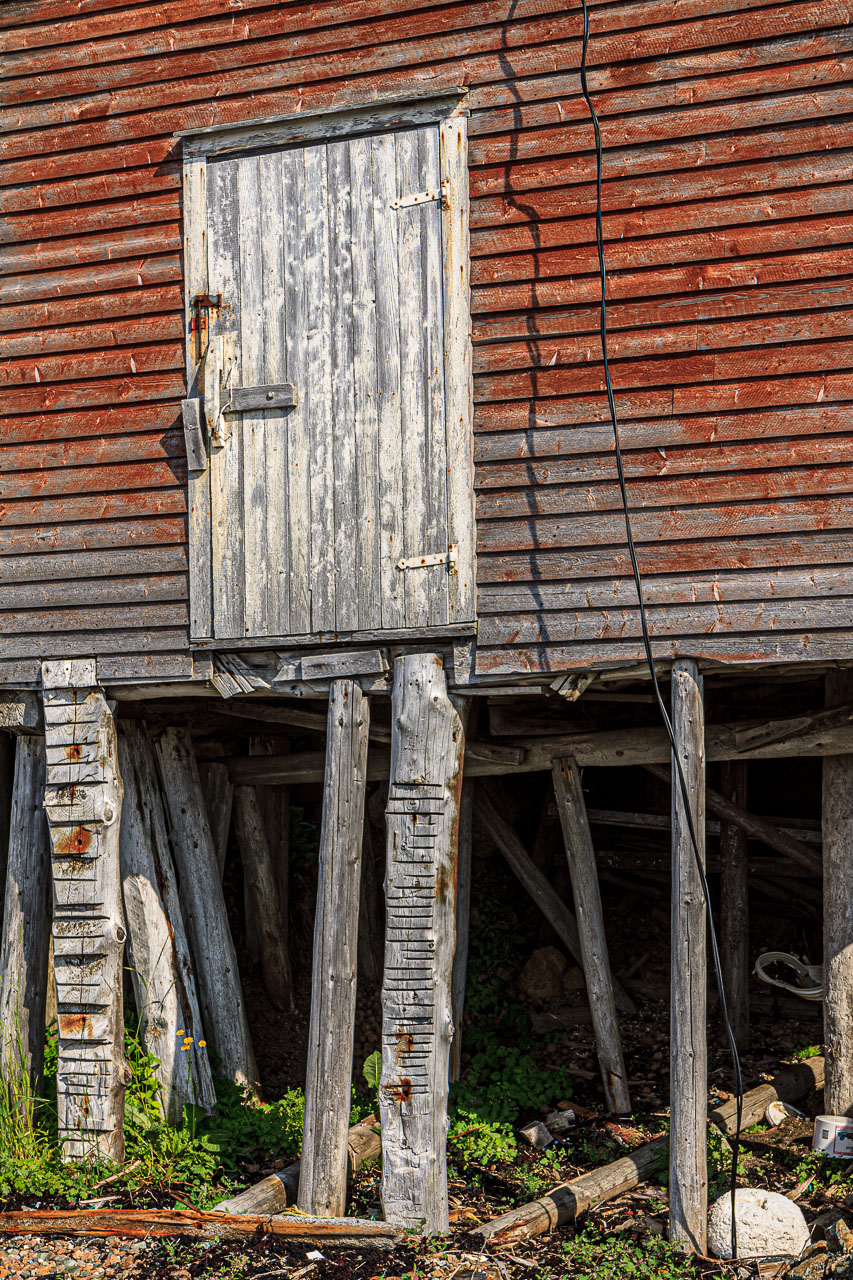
{"points": [[592, 1256]]}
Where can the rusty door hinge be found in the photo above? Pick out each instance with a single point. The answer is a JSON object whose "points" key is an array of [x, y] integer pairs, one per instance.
{"points": [[447, 557]]}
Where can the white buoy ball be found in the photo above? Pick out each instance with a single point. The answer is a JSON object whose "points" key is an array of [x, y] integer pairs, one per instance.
{"points": [[768, 1225]]}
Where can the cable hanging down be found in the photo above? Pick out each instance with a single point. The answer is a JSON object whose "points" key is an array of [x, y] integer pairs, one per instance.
{"points": [[644, 626]]}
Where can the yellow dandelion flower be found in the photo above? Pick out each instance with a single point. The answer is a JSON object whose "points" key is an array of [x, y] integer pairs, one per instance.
{"points": [[181, 1032], [184, 1048], [202, 1044]]}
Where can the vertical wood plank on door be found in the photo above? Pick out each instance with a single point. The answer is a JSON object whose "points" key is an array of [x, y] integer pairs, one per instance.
{"points": [[390, 466], [342, 425], [251, 428], [318, 376], [366, 530], [458, 366], [436, 532], [413, 375], [198, 483], [298, 549], [276, 577], [226, 463]]}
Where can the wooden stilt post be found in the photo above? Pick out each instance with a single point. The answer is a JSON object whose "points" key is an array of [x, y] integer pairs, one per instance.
{"points": [[734, 904], [262, 897], [158, 952], [26, 929], [323, 1172], [219, 799], [83, 801], [463, 923], [275, 807], [837, 824], [369, 915], [420, 892], [688, 1176], [593, 940], [7, 773], [203, 909]]}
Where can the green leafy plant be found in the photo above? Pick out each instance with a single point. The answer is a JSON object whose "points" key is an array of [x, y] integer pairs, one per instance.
{"points": [[594, 1256], [372, 1072]]}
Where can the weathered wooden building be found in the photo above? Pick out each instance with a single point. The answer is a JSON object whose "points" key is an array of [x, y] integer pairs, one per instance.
{"points": [[302, 397]]}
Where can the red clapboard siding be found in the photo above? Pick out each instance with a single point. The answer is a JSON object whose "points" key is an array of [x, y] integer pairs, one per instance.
{"points": [[727, 197]]}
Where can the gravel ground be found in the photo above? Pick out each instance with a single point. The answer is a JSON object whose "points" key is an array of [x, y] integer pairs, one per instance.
{"points": [[57, 1256]]}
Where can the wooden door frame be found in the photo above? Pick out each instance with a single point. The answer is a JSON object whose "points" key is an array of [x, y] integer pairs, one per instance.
{"points": [[448, 110]]}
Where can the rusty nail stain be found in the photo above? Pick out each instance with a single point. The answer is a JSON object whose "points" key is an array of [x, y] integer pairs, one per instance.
{"points": [[75, 751], [75, 843]]}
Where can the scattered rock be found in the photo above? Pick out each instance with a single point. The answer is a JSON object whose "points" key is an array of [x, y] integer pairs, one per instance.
{"points": [[768, 1225], [839, 1237], [536, 1135], [541, 978]]}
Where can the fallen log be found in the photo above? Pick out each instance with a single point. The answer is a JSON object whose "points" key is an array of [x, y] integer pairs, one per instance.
{"points": [[144, 1223], [279, 1190], [567, 1202]]}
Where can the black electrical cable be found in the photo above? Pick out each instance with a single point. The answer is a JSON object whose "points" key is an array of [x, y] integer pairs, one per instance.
{"points": [[647, 644]]}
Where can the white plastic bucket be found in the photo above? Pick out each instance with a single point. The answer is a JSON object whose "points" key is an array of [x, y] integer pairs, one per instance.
{"points": [[833, 1136]]}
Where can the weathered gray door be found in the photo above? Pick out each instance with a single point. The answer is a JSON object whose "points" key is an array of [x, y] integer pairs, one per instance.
{"points": [[330, 260]]}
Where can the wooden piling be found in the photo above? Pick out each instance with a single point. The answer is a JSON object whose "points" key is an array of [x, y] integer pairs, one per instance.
{"points": [[7, 783], [219, 798], [26, 928], [262, 900], [203, 907], [83, 801], [420, 888], [837, 823], [158, 953], [593, 940], [734, 904], [463, 923], [323, 1170], [688, 1177]]}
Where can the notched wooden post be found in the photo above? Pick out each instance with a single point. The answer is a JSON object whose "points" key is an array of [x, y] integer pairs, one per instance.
{"points": [[420, 890], [593, 940], [688, 1172], [83, 799], [328, 1085]]}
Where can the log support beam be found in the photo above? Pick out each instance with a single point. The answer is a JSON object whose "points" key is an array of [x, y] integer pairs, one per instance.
{"points": [[593, 940], [328, 1085], [734, 904], [83, 802], [262, 899], [420, 890], [688, 1175], [158, 953], [837, 821], [26, 929], [459, 979], [203, 907]]}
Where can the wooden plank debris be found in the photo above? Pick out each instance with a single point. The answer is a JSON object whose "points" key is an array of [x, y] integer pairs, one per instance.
{"points": [[328, 1086], [83, 802], [688, 1049], [593, 939], [25, 928], [567, 1202], [420, 889], [145, 1224], [158, 953], [204, 910]]}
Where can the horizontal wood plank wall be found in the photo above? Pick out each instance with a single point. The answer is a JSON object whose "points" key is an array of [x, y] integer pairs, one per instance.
{"points": [[727, 200]]}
